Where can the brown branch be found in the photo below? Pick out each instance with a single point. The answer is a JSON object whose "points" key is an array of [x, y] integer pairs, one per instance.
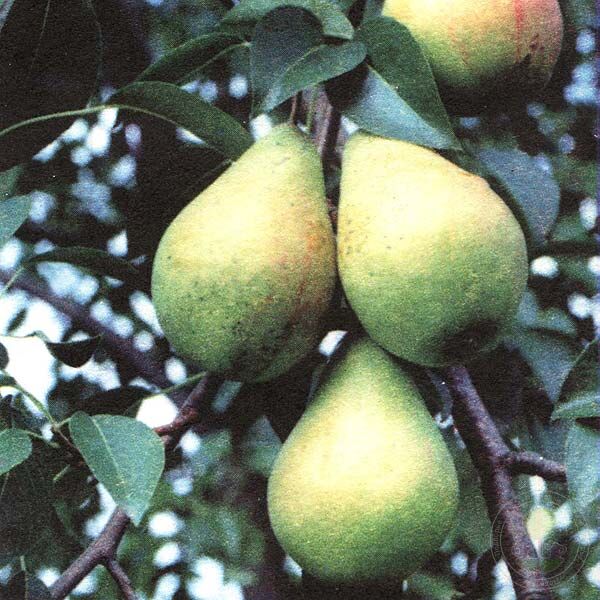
{"points": [[86, 232], [190, 412], [122, 350], [571, 248], [530, 463], [103, 551], [327, 129], [122, 580], [480, 576], [489, 454]]}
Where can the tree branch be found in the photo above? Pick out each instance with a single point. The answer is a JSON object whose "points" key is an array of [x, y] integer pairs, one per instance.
{"points": [[489, 454], [481, 576], [530, 463], [122, 580], [190, 412], [88, 232], [122, 350], [103, 551]]}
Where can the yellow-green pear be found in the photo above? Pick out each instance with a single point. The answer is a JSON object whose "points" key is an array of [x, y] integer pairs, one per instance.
{"points": [[364, 488], [488, 48], [431, 260], [243, 275]]}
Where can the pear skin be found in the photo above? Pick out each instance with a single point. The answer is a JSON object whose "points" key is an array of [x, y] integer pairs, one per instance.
{"points": [[432, 261], [244, 274], [479, 50], [364, 488]]}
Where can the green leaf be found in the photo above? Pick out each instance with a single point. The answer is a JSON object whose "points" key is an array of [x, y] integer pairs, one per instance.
{"points": [[126, 456], [579, 394], [163, 101], [399, 60], [17, 320], [550, 356], [372, 9], [280, 39], [433, 587], [317, 65], [21, 416], [6, 380], [25, 510], [569, 228], [15, 447], [75, 354], [583, 407], [3, 357], [114, 402], [366, 98], [534, 193], [166, 101], [185, 63], [24, 586], [583, 475], [13, 213], [8, 182], [532, 316], [50, 58], [345, 5], [98, 261], [332, 19], [576, 269], [390, 97]]}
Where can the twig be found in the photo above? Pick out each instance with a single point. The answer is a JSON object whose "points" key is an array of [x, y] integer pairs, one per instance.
{"points": [[190, 412], [89, 232], [480, 575], [571, 248], [489, 454], [104, 549], [122, 350], [530, 463], [122, 580], [327, 129]]}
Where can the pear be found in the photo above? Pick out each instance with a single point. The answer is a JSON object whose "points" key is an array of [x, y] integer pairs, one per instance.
{"points": [[483, 50], [244, 274], [364, 489], [432, 261]]}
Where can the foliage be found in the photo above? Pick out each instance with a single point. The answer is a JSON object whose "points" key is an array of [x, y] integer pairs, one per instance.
{"points": [[120, 153]]}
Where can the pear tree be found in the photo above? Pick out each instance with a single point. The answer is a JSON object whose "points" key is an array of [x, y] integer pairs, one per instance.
{"points": [[298, 300]]}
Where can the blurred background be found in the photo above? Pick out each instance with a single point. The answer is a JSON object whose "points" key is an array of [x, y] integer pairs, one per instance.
{"points": [[113, 183]]}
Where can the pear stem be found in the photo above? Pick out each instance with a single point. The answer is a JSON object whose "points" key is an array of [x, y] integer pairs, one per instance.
{"points": [[327, 128], [295, 109], [492, 458]]}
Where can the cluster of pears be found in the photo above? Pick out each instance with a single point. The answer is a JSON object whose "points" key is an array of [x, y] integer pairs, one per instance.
{"points": [[430, 259], [434, 265]]}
